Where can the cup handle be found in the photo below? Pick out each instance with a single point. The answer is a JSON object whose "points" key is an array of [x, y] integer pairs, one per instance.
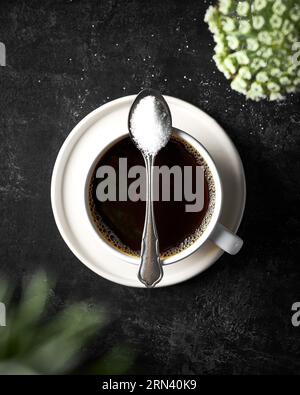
{"points": [[226, 240]]}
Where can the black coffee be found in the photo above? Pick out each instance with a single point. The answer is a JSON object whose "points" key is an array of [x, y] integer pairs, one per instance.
{"points": [[121, 222]]}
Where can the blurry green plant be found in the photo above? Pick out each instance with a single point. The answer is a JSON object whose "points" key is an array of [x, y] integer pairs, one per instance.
{"points": [[255, 45], [30, 344]]}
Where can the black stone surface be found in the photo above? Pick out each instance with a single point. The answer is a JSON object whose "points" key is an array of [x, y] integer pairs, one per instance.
{"points": [[66, 58]]}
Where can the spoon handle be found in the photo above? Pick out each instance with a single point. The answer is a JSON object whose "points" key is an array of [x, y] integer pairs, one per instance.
{"points": [[150, 271]]}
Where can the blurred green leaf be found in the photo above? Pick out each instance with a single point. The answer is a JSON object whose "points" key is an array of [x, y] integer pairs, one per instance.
{"points": [[13, 368], [31, 345], [33, 301]]}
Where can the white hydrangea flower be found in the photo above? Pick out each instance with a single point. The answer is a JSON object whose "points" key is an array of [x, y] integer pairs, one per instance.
{"points": [[258, 64], [276, 21], [278, 7], [292, 38], [252, 44], [287, 27], [214, 28], [228, 24], [295, 13], [260, 4], [292, 70], [291, 89], [265, 37], [219, 38], [220, 47], [211, 15], [256, 90], [243, 8], [285, 81], [245, 73], [276, 62], [244, 27], [225, 6], [276, 96], [275, 72], [273, 87], [229, 63], [267, 53], [242, 57], [262, 77], [233, 42], [239, 85], [221, 66], [258, 22], [277, 38]]}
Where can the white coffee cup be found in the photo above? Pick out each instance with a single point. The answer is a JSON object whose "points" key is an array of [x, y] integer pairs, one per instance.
{"points": [[214, 231]]}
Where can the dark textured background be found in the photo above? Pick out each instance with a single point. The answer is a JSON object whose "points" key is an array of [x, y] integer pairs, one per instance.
{"points": [[66, 58]]}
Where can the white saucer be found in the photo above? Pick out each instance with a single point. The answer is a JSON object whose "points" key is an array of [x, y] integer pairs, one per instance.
{"points": [[83, 144]]}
